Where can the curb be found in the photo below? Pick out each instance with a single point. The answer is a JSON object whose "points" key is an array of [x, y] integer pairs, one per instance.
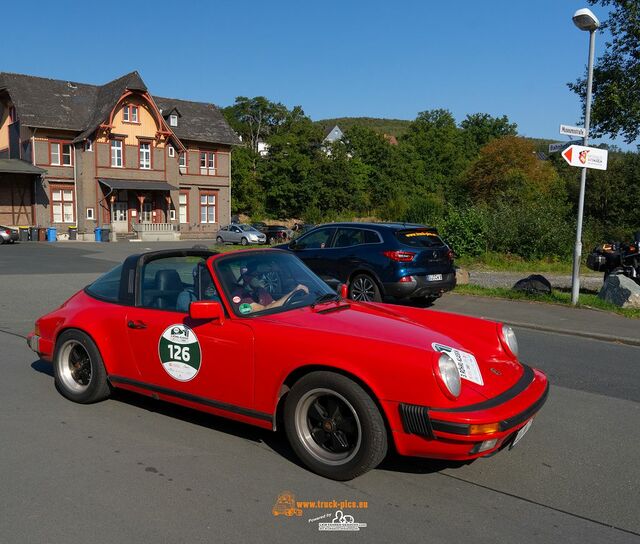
{"points": [[582, 334]]}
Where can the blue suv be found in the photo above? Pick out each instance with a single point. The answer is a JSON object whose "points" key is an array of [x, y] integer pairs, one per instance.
{"points": [[376, 260]]}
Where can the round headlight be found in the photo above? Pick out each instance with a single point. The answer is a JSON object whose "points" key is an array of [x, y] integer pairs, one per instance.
{"points": [[510, 339], [449, 374]]}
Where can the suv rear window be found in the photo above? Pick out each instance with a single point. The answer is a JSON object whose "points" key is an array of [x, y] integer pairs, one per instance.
{"points": [[419, 238]]}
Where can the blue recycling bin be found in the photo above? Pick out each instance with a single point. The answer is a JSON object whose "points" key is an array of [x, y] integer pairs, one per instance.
{"points": [[98, 233], [51, 234]]}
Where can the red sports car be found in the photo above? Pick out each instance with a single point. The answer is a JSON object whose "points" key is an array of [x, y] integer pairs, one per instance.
{"points": [[257, 337]]}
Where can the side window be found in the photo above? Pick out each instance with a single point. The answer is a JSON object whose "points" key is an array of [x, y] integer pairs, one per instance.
{"points": [[107, 286], [371, 237], [349, 237], [316, 240], [173, 283]]}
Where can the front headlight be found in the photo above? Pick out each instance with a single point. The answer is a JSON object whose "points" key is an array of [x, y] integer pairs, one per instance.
{"points": [[449, 376], [252, 237], [509, 340]]}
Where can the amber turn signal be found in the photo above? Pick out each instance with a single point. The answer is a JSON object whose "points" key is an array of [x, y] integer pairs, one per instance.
{"points": [[485, 428]]}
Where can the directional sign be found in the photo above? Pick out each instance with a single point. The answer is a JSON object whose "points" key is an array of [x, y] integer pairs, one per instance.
{"points": [[554, 148], [573, 131], [586, 157]]}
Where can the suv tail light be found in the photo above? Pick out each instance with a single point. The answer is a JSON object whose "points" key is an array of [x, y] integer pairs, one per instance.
{"points": [[450, 254], [7, 232], [400, 256]]}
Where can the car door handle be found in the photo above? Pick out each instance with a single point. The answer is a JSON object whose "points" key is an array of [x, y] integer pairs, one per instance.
{"points": [[136, 325]]}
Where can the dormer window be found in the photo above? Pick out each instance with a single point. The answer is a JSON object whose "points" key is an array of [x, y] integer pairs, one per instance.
{"points": [[173, 120], [130, 114]]}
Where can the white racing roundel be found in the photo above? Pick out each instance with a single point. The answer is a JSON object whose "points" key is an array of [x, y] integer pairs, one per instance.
{"points": [[180, 352]]}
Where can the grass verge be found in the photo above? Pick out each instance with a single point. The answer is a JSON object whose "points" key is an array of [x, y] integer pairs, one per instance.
{"points": [[587, 300], [513, 263]]}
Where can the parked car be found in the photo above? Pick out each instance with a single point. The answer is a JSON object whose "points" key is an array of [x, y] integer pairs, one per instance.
{"points": [[240, 234], [259, 225], [8, 235], [378, 260], [347, 380], [276, 233]]}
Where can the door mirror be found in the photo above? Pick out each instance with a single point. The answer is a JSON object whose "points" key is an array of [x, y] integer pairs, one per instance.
{"points": [[344, 291], [204, 309]]}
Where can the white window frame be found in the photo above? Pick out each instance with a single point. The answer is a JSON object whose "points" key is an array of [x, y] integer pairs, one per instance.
{"points": [[88, 145], [90, 214], [208, 208], [209, 168], [183, 207], [134, 114], [57, 153], [173, 120], [125, 114], [66, 201], [117, 151], [172, 215], [144, 155], [172, 151]]}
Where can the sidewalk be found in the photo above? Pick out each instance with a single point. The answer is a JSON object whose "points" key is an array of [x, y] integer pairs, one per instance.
{"points": [[595, 324], [486, 278]]}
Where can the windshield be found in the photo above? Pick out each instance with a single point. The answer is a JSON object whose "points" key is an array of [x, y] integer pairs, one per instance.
{"points": [[268, 282], [419, 238], [248, 228]]}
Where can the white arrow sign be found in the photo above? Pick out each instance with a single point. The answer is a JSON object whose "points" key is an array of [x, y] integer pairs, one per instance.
{"points": [[586, 157], [554, 148], [573, 131]]}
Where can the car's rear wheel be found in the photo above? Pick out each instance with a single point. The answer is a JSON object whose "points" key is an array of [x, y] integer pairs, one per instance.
{"points": [[244, 241], [219, 240], [78, 369], [364, 289], [334, 426]]}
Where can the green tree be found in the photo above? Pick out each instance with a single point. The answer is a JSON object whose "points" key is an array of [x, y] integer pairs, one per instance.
{"points": [[481, 128], [616, 76], [255, 118]]}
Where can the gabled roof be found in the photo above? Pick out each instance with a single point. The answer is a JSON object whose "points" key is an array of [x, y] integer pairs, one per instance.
{"points": [[78, 107], [199, 121]]}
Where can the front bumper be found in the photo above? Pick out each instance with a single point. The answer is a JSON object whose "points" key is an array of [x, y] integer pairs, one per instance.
{"points": [[457, 433], [420, 286]]}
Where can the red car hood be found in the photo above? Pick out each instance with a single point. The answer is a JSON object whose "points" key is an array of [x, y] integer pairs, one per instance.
{"points": [[418, 329]]}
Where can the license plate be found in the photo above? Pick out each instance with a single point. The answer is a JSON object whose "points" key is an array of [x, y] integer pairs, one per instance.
{"points": [[434, 277], [521, 433]]}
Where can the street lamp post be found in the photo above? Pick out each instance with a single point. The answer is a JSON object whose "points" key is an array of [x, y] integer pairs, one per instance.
{"points": [[585, 20]]}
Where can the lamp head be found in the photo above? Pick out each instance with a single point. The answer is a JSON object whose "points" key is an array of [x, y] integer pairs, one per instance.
{"points": [[584, 19]]}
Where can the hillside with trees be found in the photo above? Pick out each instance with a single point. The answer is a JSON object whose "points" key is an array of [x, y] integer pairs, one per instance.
{"points": [[482, 185], [392, 127]]}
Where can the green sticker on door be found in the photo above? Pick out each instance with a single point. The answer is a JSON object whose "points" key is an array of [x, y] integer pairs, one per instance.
{"points": [[179, 352]]}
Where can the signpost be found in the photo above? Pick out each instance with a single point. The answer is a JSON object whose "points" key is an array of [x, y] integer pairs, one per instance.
{"points": [[586, 157], [573, 131], [559, 146]]}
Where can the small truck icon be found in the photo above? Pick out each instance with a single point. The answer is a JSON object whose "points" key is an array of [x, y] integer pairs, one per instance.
{"points": [[286, 505]]}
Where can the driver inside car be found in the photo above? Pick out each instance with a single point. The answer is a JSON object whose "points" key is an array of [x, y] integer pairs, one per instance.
{"points": [[252, 292]]}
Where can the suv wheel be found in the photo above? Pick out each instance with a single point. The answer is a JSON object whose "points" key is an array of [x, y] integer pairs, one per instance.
{"points": [[364, 289]]}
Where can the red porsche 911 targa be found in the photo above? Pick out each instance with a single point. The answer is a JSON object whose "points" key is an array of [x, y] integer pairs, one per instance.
{"points": [[257, 337]]}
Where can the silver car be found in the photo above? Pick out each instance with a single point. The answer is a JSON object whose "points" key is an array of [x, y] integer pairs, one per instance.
{"points": [[240, 234], [8, 235]]}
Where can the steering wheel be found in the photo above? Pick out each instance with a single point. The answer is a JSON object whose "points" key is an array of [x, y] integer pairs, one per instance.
{"points": [[293, 296]]}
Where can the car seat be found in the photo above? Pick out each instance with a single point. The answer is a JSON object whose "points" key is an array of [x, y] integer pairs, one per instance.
{"points": [[169, 286]]}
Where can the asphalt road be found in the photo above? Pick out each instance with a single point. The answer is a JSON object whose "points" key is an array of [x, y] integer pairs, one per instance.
{"points": [[136, 470]]}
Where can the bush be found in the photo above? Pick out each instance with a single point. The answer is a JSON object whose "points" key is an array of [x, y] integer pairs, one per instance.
{"points": [[465, 230]]}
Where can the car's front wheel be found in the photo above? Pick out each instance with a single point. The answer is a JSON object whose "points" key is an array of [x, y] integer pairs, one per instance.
{"points": [[78, 369], [244, 241], [334, 426], [219, 240]]}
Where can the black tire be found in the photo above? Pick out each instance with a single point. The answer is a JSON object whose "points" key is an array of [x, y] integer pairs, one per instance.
{"points": [[244, 241], [357, 426], [219, 240], [364, 288], [78, 368]]}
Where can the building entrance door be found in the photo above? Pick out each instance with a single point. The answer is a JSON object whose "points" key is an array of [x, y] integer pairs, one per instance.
{"points": [[147, 212], [120, 217]]}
